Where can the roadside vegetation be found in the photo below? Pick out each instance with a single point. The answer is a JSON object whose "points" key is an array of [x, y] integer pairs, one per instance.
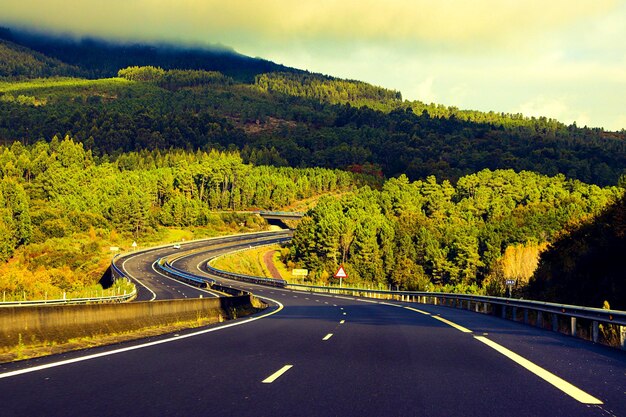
{"points": [[62, 210], [247, 262], [435, 236]]}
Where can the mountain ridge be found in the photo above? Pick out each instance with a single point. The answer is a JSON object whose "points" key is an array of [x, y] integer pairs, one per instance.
{"points": [[291, 117]]}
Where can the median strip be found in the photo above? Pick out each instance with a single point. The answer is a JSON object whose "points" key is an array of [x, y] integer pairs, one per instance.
{"points": [[277, 374]]}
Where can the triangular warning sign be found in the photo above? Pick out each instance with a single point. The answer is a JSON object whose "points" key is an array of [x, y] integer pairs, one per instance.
{"points": [[341, 273]]}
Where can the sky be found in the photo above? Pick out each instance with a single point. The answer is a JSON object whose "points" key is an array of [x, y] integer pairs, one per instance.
{"points": [[564, 59]]}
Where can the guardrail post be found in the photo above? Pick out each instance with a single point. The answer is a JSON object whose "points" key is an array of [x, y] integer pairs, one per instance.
{"points": [[503, 311], [525, 316], [555, 322], [622, 337], [539, 322], [573, 326], [486, 308], [477, 306], [514, 314], [594, 331]]}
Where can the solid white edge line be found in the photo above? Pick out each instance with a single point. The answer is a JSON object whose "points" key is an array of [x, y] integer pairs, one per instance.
{"points": [[154, 296], [544, 374], [277, 374], [140, 346]]}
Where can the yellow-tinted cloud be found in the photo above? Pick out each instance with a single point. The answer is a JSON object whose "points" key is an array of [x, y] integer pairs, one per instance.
{"points": [[502, 55], [446, 22]]}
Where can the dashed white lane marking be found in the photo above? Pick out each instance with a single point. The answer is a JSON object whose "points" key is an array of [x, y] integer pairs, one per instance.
{"points": [[277, 374], [342, 322], [180, 282], [328, 336]]}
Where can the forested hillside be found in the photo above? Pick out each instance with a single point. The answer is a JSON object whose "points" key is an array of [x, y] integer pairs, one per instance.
{"points": [[20, 62], [59, 204], [586, 266], [98, 58], [206, 110], [425, 235]]}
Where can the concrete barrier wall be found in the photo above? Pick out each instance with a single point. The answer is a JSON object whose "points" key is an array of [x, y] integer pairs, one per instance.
{"points": [[61, 323]]}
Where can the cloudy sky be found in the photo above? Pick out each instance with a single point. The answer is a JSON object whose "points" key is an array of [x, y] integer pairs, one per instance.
{"points": [[558, 58]]}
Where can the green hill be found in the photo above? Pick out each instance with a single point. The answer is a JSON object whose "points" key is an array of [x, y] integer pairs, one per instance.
{"points": [[20, 62], [99, 58], [205, 99]]}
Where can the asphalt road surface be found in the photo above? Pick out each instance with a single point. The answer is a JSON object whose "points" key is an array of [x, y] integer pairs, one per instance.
{"points": [[321, 355]]}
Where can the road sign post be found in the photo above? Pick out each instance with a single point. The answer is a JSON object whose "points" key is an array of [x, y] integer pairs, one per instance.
{"points": [[509, 285], [341, 274]]}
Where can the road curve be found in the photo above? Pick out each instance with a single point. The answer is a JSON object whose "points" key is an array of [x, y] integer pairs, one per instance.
{"points": [[320, 355], [153, 285]]}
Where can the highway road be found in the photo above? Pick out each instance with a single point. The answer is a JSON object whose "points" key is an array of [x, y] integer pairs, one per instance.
{"points": [[153, 285], [321, 355]]}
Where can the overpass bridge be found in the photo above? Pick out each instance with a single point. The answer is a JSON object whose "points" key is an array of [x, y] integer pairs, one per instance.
{"points": [[280, 215]]}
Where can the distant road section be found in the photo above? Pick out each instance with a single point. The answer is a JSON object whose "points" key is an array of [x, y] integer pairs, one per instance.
{"points": [[154, 285]]}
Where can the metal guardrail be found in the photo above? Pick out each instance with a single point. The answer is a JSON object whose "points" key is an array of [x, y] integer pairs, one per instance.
{"points": [[243, 277], [117, 273], [181, 275], [538, 313], [165, 263], [64, 301]]}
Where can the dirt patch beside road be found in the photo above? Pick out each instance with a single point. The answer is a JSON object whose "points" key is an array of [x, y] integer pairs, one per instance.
{"points": [[269, 263]]}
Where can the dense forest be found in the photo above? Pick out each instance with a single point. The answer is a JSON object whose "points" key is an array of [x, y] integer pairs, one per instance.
{"points": [[585, 266], [426, 235], [52, 192]]}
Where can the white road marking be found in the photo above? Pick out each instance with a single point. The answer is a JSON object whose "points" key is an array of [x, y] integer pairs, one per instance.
{"points": [[136, 347], [328, 336], [342, 322], [180, 282], [140, 283], [277, 374]]}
